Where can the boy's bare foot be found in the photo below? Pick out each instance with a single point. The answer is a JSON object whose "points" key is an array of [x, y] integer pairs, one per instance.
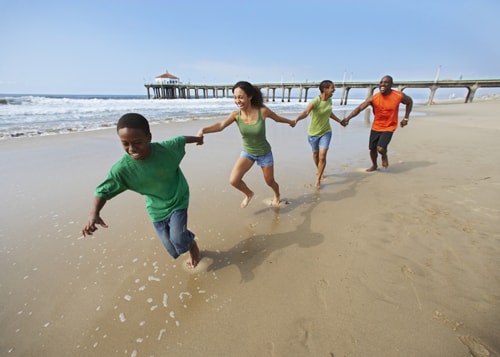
{"points": [[194, 255], [385, 161], [246, 200], [370, 169]]}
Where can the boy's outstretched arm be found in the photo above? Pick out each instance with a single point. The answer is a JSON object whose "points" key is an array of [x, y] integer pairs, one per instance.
{"points": [[194, 139], [94, 217]]}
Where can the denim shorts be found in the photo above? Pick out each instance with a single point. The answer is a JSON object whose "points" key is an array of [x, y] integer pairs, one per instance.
{"points": [[320, 142], [263, 160], [174, 234]]}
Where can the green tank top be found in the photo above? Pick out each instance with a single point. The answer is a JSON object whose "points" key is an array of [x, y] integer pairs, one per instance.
{"points": [[254, 136]]}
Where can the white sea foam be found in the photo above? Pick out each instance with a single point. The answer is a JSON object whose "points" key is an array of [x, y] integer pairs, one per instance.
{"points": [[22, 116]]}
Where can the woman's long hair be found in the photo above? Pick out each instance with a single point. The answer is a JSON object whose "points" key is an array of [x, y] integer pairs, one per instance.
{"points": [[251, 91]]}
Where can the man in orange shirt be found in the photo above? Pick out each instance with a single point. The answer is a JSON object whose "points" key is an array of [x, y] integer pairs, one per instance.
{"points": [[385, 105]]}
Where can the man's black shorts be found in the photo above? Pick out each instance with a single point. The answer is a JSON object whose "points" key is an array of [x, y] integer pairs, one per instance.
{"points": [[379, 138]]}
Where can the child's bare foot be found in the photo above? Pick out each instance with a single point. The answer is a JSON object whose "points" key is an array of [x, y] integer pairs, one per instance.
{"points": [[275, 202], [194, 255], [385, 161], [246, 200], [373, 168]]}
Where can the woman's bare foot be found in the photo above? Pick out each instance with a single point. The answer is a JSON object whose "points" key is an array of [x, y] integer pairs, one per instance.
{"points": [[246, 200], [276, 202], [194, 255], [370, 169]]}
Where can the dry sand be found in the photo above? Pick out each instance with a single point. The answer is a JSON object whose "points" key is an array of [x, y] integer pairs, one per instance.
{"points": [[399, 262]]}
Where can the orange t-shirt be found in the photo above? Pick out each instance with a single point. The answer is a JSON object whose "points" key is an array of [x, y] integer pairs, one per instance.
{"points": [[385, 111]]}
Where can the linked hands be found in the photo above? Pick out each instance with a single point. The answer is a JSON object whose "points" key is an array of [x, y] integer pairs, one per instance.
{"points": [[200, 134]]}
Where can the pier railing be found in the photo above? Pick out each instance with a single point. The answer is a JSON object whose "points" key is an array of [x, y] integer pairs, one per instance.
{"points": [[269, 90]]}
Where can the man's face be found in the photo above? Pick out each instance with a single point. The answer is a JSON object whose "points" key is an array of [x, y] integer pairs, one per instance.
{"points": [[385, 85]]}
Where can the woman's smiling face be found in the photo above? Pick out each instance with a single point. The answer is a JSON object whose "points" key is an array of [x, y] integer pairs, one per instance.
{"points": [[241, 99]]}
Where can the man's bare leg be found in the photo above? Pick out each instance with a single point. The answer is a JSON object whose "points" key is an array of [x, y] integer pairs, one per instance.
{"points": [[373, 157], [385, 161]]}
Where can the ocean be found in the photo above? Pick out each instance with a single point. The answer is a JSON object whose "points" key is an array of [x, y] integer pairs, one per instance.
{"points": [[35, 115]]}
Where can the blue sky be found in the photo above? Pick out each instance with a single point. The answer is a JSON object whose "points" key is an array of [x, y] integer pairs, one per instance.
{"points": [[115, 46]]}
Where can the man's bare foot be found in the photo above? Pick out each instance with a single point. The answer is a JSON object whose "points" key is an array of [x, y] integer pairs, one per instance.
{"points": [[385, 161], [370, 169], [246, 200], [194, 255]]}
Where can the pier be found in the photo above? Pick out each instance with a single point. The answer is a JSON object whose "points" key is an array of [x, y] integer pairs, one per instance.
{"points": [[283, 91]]}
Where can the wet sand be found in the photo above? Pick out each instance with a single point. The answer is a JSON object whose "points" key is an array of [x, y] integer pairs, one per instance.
{"points": [[398, 262]]}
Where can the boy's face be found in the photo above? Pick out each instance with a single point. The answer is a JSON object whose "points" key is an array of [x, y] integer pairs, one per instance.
{"points": [[329, 91], [135, 142]]}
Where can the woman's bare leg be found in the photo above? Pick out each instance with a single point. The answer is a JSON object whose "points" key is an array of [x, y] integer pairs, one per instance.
{"points": [[240, 168], [268, 172]]}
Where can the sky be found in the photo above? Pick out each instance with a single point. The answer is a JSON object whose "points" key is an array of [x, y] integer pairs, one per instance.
{"points": [[117, 46]]}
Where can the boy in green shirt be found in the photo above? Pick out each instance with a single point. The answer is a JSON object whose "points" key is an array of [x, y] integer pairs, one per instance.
{"points": [[151, 169]]}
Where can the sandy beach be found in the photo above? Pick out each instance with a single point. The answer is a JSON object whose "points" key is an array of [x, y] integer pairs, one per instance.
{"points": [[398, 262]]}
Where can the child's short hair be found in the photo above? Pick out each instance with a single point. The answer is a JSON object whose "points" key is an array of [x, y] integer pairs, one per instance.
{"points": [[325, 84], [133, 121]]}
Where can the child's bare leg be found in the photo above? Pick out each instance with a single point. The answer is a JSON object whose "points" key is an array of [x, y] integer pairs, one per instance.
{"points": [[246, 200], [194, 255], [321, 166]]}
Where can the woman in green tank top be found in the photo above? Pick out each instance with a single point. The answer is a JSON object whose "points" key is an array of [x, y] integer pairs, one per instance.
{"points": [[250, 119], [319, 132]]}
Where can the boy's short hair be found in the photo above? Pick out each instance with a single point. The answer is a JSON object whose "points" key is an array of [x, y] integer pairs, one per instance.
{"points": [[133, 121], [325, 84]]}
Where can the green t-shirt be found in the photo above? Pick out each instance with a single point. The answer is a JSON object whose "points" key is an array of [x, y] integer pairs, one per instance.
{"points": [[320, 117], [254, 136], [159, 178]]}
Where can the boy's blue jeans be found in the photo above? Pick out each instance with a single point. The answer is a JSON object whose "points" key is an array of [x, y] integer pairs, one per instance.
{"points": [[174, 234]]}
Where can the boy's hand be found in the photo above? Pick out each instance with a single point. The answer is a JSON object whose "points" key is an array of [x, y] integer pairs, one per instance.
{"points": [[90, 228]]}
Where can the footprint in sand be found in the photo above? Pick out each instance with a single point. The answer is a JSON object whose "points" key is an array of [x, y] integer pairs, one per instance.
{"points": [[269, 202], [475, 346], [200, 268]]}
